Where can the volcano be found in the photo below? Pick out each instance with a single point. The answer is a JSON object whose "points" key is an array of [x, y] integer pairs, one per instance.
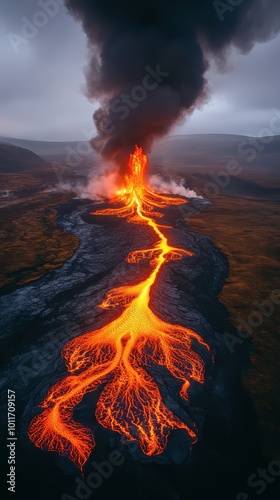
{"points": [[143, 320], [119, 355]]}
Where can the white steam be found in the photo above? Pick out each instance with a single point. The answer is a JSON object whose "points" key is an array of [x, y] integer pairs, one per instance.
{"points": [[172, 187], [105, 187], [97, 188]]}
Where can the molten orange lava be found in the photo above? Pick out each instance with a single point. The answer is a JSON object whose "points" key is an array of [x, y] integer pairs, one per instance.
{"points": [[118, 354]]}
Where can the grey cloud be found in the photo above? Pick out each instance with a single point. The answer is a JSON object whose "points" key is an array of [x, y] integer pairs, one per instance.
{"points": [[41, 87]]}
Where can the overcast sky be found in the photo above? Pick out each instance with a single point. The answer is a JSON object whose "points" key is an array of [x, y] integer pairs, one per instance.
{"points": [[42, 81]]}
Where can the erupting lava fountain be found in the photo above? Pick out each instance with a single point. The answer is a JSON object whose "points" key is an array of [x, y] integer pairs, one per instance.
{"points": [[118, 354]]}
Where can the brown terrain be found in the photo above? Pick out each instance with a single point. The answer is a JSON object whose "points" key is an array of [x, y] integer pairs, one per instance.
{"points": [[242, 221], [31, 243]]}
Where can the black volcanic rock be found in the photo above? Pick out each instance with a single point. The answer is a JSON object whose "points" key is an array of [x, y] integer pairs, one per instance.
{"points": [[41, 317]]}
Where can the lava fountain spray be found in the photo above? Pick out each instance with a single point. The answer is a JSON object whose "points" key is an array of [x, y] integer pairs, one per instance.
{"points": [[118, 354], [147, 67]]}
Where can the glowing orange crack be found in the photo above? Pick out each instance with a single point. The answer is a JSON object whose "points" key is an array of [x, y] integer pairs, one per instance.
{"points": [[118, 354]]}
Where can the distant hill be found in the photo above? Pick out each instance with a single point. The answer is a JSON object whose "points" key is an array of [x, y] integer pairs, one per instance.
{"points": [[178, 150], [204, 149], [46, 148], [14, 159], [77, 155]]}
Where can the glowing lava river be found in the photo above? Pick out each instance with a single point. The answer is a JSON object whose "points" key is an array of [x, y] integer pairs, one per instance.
{"points": [[118, 355]]}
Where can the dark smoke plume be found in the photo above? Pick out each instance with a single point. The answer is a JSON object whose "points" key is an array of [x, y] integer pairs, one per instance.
{"points": [[148, 60]]}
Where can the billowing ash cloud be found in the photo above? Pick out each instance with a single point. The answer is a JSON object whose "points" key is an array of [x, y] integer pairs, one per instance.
{"points": [[148, 60]]}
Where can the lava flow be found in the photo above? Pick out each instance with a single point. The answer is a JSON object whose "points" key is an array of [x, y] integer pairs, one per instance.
{"points": [[119, 354]]}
